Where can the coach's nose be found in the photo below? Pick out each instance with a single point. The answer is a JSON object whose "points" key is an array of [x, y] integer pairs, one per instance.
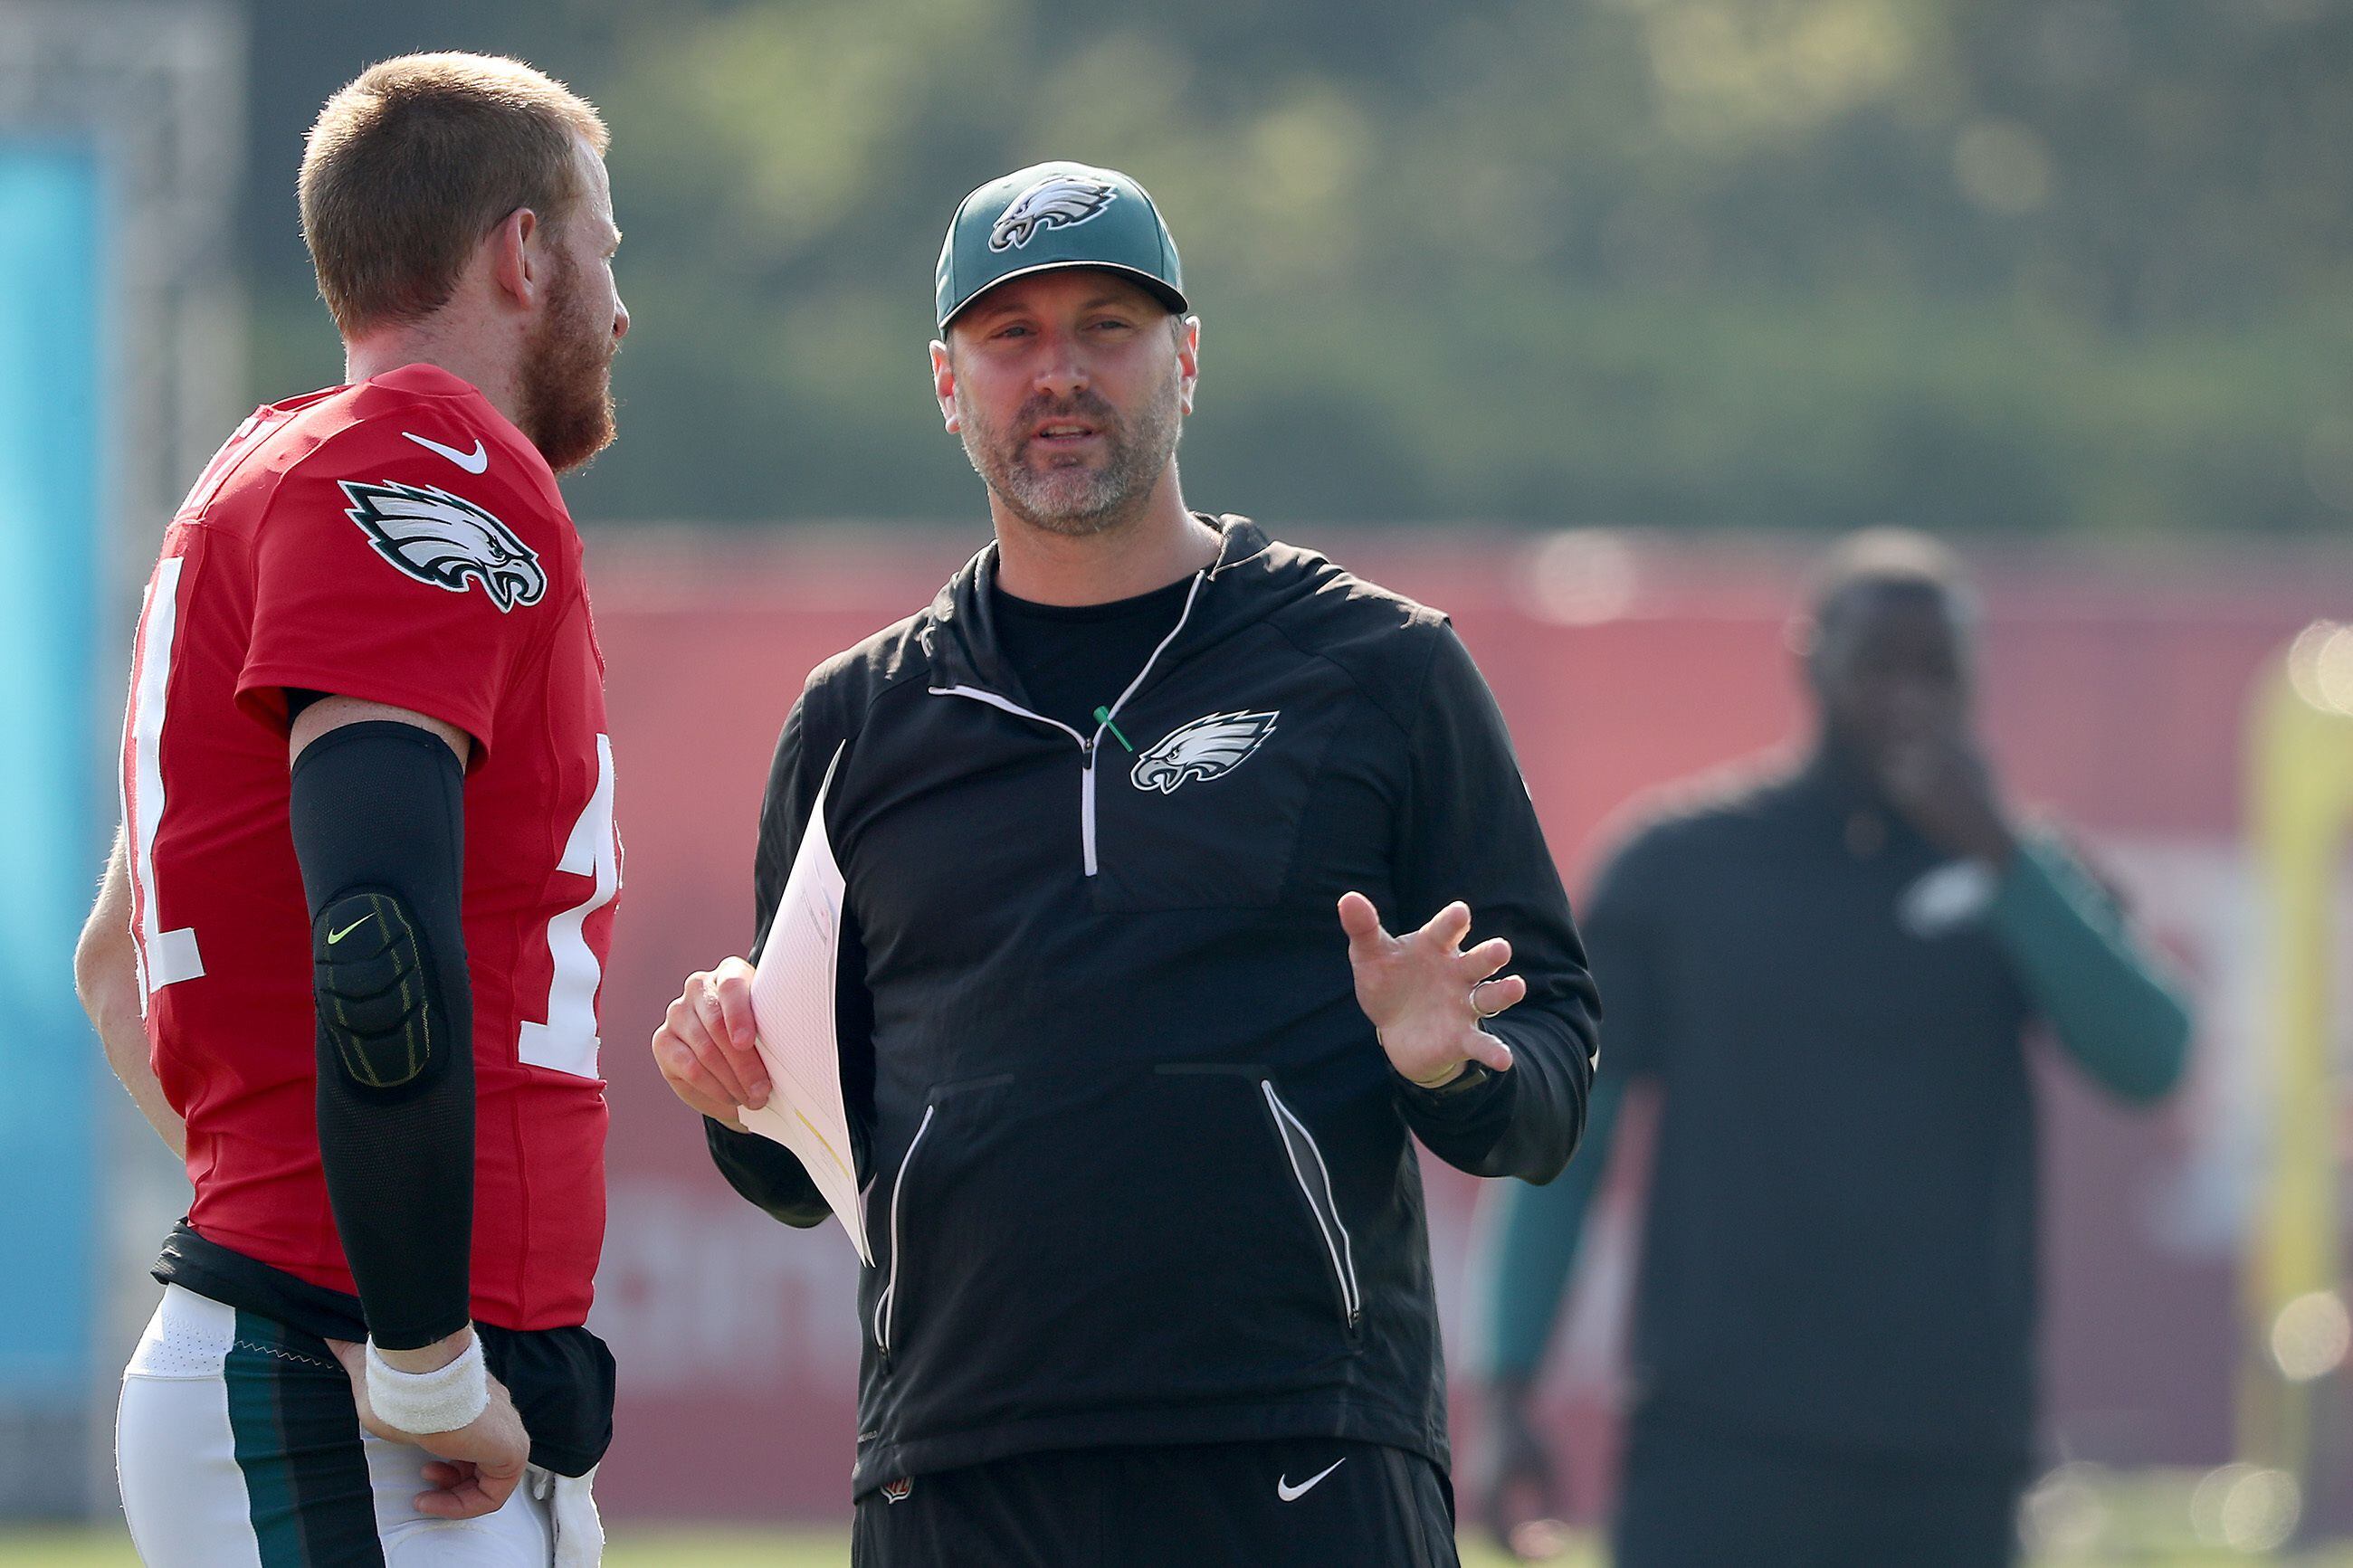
{"points": [[1061, 366]]}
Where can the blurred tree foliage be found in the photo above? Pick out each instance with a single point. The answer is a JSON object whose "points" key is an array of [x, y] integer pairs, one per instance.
{"points": [[2027, 265]]}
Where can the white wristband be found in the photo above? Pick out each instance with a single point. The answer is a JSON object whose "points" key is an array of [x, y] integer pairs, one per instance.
{"points": [[439, 1401]]}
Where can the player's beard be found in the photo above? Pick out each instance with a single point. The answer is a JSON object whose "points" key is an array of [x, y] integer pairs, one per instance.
{"points": [[567, 375], [1075, 500]]}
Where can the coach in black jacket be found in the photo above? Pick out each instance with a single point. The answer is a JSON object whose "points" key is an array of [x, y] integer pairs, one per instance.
{"points": [[1131, 1058]]}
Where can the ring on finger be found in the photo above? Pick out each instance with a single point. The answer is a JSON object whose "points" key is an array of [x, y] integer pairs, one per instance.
{"points": [[1483, 1012]]}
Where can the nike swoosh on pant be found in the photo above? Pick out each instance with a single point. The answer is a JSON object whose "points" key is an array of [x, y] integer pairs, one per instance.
{"points": [[1289, 1493]]}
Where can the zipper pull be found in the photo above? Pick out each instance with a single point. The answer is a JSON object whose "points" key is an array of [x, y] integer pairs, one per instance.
{"points": [[1102, 717]]}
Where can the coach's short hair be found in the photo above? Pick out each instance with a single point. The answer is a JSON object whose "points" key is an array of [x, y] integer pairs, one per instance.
{"points": [[418, 158], [1888, 558]]}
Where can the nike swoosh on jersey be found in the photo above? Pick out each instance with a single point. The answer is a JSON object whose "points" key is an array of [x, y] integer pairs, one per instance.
{"points": [[473, 462], [1289, 1493], [335, 936]]}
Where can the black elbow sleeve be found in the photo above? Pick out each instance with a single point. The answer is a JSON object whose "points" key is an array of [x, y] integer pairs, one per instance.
{"points": [[377, 814]]}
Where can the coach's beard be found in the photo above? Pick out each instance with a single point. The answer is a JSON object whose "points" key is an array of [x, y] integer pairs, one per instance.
{"points": [[568, 376], [1076, 500]]}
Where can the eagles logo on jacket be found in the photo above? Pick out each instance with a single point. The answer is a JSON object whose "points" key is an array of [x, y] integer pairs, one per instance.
{"points": [[1141, 1173]]}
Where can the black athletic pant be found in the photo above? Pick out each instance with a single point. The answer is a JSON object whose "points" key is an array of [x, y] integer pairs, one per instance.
{"points": [[1698, 1495], [1308, 1502]]}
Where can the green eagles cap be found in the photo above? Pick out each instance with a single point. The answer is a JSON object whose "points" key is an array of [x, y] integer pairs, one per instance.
{"points": [[1051, 215]]}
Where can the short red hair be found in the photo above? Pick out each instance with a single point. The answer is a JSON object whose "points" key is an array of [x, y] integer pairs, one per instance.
{"points": [[418, 158]]}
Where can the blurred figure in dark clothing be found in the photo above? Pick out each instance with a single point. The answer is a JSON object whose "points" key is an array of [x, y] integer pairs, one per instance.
{"points": [[1826, 972]]}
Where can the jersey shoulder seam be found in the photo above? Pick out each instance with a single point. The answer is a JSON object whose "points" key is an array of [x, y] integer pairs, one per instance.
{"points": [[388, 416]]}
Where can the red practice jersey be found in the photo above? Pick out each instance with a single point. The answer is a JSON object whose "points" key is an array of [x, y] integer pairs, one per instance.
{"points": [[396, 540]]}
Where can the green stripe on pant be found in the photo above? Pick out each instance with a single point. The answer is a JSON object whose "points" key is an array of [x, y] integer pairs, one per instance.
{"points": [[299, 1445]]}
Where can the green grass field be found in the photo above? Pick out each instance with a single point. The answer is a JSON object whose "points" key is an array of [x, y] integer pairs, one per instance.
{"points": [[2088, 1516]]}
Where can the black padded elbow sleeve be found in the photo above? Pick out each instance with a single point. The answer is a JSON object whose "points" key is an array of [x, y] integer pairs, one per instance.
{"points": [[377, 814]]}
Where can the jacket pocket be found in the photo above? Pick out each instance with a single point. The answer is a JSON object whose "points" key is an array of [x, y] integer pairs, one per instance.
{"points": [[1314, 1179], [1079, 1240], [886, 1302]]}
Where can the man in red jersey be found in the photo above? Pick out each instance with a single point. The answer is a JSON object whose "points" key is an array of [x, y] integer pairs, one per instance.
{"points": [[365, 885]]}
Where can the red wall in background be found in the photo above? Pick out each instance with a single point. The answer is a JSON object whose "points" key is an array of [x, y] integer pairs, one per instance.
{"points": [[2113, 699]]}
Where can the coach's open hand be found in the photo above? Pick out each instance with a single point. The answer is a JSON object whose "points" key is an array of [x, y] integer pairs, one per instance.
{"points": [[475, 1467], [1425, 995], [706, 1046]]}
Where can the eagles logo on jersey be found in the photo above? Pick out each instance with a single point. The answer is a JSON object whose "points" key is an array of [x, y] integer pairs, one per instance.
{"points": [[1205, 749], [446, 541], [1061, 202]]}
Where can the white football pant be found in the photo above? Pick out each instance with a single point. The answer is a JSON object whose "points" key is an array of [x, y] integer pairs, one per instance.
{"points": [[237, 1447]]}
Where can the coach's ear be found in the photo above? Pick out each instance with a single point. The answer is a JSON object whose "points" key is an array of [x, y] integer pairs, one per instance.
{"points": [[943, 384], [1189, 360]]}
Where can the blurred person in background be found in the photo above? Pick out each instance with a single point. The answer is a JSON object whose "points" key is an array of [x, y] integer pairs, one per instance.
{"points": [[1137, 1070], [362, 892], [1826, 973]]}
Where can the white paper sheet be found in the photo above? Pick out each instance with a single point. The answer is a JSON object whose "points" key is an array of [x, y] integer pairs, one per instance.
{"points": [[792, 1003]]}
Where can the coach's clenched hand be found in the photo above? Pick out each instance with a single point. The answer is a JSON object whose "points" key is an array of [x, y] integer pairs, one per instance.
{"points": [[1425, 995], [706, 1048]]}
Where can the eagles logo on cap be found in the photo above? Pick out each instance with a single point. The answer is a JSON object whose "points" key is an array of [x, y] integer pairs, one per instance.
{"points": [[1064, 201], [1051, 215]]}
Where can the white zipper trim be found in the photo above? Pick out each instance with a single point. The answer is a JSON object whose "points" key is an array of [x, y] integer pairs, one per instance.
{"points": [[886, 1305], [1088, 748], [1182, 617], [1344, 1254], [1087, 807], [993, 700]]}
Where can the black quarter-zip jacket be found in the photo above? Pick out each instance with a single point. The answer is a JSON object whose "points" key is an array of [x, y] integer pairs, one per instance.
{"points": [[1136, 1169]]}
